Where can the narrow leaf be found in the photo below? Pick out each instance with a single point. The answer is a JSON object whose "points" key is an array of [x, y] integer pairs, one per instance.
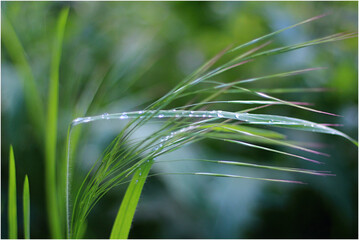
{"points": [[34, 104], [12, 210], [122, 225], [26, 208], [51, 129]]}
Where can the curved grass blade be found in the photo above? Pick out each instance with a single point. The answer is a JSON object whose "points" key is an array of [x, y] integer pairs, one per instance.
{"points": [[243, 164], [238, 176], [289, 103], [250, 130], [277, 75], [275, 33], [246, 102], [269, 149], [264, 90], [257, 134], [248, 118], [12, 207], [211, 174], [122, 225], [53, 205], [26, 208]]}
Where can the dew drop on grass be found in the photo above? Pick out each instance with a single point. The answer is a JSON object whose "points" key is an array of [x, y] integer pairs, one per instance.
{"points": [[219, 114], [123, 116], [161, 116], [104, 116], [85, 120]]}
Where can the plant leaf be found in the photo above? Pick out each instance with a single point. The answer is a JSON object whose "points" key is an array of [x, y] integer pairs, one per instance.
{"points": [[247, 118], [12, 208], [122, 225], [34, 104], [51, 130], [251, 130], [26, 208]]}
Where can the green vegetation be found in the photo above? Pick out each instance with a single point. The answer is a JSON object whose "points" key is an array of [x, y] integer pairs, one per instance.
{"points": [[211, 104], [12, 210], [26, 208]]}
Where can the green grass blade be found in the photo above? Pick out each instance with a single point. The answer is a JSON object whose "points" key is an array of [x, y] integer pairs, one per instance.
{"points": [[243, 164], [51, 130], [257, 131], [122, 225], [26, 208], [275, 33], [33, 101], [12, 210], [248, 118]]}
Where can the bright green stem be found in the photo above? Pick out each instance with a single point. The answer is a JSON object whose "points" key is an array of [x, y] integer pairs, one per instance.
{"points": [[51, 130], [12, 210], [122, 225], [26, 208]]}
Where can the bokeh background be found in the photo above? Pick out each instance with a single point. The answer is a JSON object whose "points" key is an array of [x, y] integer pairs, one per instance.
{"points": [[139, 51]]}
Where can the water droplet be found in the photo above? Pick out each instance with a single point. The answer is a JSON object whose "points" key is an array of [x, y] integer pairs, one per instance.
{"points": [[219, 114], [136, 181], [76, 121], [123, 116], [140, 174], [161, 116], [85, 120], [237, 116]]}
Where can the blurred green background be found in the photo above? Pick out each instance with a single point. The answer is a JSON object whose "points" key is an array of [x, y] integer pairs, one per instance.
{"points": [[130, 54]]}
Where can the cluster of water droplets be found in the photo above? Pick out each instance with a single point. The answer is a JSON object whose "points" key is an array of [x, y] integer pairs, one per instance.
{"points": [[154, 114], [170, 136]]}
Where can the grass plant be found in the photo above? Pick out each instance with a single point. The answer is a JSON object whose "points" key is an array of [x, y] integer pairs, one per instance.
{"points": [[26, 208], [128, 160], [126, 157], [12, 208]]}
